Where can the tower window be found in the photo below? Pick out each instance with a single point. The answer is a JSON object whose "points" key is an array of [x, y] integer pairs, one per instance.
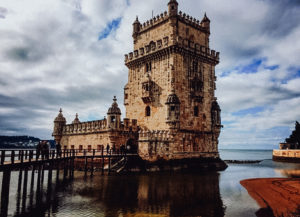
{"points": [[196, 111], [126, 96], [148, 111], [112, 119], [172, 108], [148, 67]]}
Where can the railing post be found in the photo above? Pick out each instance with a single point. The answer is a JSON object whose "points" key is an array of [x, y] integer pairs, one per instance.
{"points": [[26, 154], [12, 157], [2, 157], [5, 192], [21, 156], [36, 155], [109, 161], [30, 155]]}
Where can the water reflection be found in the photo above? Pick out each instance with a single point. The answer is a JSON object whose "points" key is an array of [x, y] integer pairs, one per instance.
{"points": [[135, 195], [158, 194]]}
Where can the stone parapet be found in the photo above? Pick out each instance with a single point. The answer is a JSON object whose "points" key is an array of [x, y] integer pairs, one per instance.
{"points": [[85, 127], [163, 49], [191, 21], [156, 20], [97, 126]]}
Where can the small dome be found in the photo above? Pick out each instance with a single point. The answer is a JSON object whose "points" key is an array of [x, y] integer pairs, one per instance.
{"points": [[114, 109], [173, 99], [60, 117], [215, 106], [76, 120]]}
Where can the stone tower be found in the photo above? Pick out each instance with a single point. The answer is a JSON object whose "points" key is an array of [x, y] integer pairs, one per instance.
{"points": [[171, 86], [59, 123], [114, 115]]}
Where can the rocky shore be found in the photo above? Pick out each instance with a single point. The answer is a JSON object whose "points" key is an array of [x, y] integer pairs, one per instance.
{"points": [[276, 196]]}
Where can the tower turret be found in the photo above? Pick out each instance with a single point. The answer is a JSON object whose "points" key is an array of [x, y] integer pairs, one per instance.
{"points": [[206, 23], [173, 8], [114, 115], [76, 120], [216, 115], [59, 123], [136, 29]]}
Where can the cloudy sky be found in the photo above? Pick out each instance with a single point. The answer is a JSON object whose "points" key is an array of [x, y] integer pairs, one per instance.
{"points": [[70, 54]]}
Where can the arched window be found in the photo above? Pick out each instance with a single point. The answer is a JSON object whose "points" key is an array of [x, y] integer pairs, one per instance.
{"points": [[112, 119], [196, 111], [148, 111]]}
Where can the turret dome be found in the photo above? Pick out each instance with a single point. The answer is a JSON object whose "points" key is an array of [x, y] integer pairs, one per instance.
{"points": [[114, 109], [76, 120], [60, 117]]}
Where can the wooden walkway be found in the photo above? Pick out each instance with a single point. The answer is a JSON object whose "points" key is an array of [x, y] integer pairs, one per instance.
{"points": [[25, 160]]}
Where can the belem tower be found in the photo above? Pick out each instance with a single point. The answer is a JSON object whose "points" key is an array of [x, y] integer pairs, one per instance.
{"points": [[171, 109]]}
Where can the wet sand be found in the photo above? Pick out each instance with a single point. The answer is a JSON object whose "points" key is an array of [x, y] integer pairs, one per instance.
{"points": [[276, 196]]}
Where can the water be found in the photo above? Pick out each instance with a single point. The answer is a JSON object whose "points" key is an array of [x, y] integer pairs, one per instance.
{"points": [[242, 154], [154, 195]]}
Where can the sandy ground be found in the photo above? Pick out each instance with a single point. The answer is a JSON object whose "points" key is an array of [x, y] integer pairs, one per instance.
{"points": [[276, 196]]}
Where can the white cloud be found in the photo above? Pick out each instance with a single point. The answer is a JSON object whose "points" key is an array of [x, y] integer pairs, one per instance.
{"points": [[51, 57]]}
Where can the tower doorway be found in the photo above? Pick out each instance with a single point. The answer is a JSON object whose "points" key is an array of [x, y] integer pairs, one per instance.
{"points": [[131, 146]]}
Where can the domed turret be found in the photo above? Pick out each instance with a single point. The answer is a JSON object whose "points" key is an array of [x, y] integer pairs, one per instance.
{"points": [[59, 123], [114, 115], [114, 109], [173, 7], [76, 120], [216, 114], [205, 22], [136, 28], [60, 117]]}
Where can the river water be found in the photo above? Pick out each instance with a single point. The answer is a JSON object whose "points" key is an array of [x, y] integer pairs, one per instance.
{"points": [[154, 195]]}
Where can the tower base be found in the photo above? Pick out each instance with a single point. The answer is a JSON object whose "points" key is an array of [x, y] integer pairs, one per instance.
{"points": [[137, 164]]}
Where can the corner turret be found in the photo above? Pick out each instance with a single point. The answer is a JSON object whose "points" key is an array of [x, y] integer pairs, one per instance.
{"points": [[59, 123], [136, 29], [205, 23], [114, 115], [216, 115], [173, 8]]}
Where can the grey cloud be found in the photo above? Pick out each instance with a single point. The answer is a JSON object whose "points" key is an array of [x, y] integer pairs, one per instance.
{"points": [[3, 12], [282, 18]]}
